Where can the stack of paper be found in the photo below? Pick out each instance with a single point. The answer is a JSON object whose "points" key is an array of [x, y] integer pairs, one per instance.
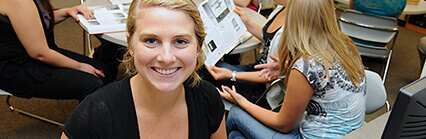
{"points": [[106, 19]]}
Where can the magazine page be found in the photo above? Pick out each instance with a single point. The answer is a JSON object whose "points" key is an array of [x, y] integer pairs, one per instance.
{"points": [[223, 26], [107, 19]]}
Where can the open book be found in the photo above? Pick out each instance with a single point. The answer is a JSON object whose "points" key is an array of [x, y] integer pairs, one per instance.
{"points": [[224, 29], [106, 19]]}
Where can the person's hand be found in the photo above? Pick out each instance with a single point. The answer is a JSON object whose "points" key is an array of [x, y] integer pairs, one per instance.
{"points": [[80, 10], [270, 70], [231, 95], [90, 69], [219, 73], [242, 14]]}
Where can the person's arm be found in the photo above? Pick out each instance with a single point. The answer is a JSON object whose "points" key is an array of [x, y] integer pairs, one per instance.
{"points": [[221, 132], [224, 73], [23, 15], [270, 70], [64, 13], [297, 97], [251, 26], [242, 3]]}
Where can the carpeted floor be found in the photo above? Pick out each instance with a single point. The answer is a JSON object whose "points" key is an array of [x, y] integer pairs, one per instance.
{"points": [[404, 69]]}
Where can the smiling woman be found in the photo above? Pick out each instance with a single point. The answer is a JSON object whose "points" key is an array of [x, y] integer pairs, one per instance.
{"points": [[164, 53], [163, 90]]}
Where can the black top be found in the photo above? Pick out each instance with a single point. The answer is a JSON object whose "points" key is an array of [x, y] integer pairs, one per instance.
{"points": [[266, 39], [18, 71], [110, 112]]}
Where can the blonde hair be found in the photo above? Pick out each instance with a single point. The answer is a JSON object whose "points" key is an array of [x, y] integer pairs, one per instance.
{"points": [[311, 30], [138, 7]]}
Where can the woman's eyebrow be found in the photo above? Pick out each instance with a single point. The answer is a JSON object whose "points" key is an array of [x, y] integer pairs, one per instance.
{"points": [[183, 35]]}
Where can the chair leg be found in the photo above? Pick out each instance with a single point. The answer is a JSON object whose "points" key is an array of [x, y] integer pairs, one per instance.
{"points": [[388, 106], [84, 42], [89, 44], [387, 66], [33, 115]]}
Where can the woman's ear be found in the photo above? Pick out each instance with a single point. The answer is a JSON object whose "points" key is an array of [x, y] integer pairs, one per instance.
{"points": [[128, 37], [128, 42]]}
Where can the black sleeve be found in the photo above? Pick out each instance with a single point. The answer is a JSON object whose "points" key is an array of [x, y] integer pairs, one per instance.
{"points": [[90, 119], [216, 108]]}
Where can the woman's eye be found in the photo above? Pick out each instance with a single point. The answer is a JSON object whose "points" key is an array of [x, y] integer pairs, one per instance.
{"points": [[181, 43], [151, 41]]}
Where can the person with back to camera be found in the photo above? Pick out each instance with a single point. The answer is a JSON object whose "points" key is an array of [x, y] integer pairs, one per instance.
{"points": [[247, 80], [31, 65], [163, 97], [389, 8], [324, 76]]}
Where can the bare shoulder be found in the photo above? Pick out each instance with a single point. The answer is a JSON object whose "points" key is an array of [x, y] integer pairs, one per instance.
{"points": [[10, 6]]}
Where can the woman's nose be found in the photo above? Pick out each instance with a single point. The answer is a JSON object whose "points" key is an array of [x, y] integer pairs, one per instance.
{"points": [[166, 54]]}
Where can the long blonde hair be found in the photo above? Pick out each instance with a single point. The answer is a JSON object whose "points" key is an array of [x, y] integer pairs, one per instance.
{"points": [[187, 6], [311, 30]]}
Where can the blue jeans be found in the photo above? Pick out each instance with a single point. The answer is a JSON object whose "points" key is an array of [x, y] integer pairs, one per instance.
{"points": [[241, 124]]}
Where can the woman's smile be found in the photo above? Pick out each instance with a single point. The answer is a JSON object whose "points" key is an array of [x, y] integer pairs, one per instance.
{"points": [[165, 71]]}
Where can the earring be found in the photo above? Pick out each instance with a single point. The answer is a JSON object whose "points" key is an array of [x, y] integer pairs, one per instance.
{"points": [[198, 53], [131, 53]]}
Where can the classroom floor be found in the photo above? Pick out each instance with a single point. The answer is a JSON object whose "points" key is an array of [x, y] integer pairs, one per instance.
{"points": [[404, 68]]}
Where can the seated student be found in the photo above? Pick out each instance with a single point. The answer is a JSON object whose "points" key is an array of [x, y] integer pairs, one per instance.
{"points": [[389, 8], [164, 97], [31, 65], [324, 76], [247, 79]]}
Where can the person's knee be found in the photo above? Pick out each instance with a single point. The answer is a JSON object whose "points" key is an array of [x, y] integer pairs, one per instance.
{"points": [[97, 84], [235, 134], [235, 112], [233, 118], [92, 86]]}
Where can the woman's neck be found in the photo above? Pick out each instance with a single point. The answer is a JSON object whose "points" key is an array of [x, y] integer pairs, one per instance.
{"points": [[278, 22], [147, 96]]}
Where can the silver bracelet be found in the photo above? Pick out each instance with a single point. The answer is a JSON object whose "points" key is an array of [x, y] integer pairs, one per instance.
{"points": [[234, 74]]}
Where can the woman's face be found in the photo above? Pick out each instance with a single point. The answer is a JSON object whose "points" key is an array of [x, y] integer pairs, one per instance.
{"points": [[164, 48]]}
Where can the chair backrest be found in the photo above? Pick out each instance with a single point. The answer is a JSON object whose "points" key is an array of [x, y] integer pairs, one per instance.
{"points": [[365, 27], [376, 92]]}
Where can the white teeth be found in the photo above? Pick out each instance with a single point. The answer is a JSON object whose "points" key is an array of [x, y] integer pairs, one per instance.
{"points": [[165, 71]]}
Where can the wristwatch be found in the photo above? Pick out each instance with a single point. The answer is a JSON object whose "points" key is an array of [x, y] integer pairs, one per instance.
{"points": [[234, 74]]}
